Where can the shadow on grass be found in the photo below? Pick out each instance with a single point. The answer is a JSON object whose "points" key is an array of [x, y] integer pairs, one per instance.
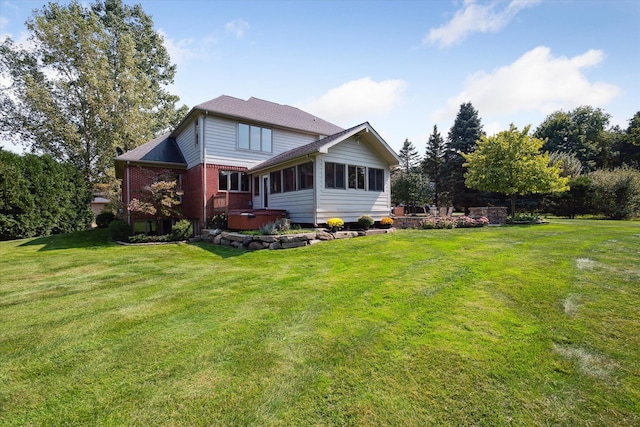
{"points": [[220, 250], [88, 239]]}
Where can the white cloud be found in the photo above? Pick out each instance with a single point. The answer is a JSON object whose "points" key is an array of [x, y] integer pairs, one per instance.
{"points": [[537, 81], [476, 18], [237, 27], [357, 99], [185, 50]]}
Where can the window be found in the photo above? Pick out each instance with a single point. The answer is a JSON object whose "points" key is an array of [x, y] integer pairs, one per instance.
{"points": [[289, 179], [275, 182], [254, 138], [305, 176], [356, 177], [376, 179], [223, 180], [334, 175], [243, 136], [196, 132], [233, 181], [256, 186]]}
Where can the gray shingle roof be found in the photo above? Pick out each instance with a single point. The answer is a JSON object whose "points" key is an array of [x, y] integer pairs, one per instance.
{"points": [[161, 150], [259, 110]]}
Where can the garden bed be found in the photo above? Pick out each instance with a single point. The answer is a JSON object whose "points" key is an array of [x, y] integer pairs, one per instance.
{"points": [[283, 241]]}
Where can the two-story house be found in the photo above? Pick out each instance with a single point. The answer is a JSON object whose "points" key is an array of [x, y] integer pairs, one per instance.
{"points": [[253, 156]]}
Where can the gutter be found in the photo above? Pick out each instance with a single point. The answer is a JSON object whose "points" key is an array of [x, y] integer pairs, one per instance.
{"points": [[128, 194]]}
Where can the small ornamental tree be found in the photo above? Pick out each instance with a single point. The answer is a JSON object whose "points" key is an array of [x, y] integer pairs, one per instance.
{"points": [[511, 163], [160, 199]]}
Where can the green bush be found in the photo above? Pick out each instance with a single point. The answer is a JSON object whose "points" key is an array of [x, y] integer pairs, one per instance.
{"points": [[278, 226], [365, 221], [103, 219], [181, 230], [616, 192], [39, 196], [119, 230]]}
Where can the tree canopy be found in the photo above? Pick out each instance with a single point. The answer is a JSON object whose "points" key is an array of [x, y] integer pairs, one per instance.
{"points": [[511, 163], [581, 131], [91, 79]]}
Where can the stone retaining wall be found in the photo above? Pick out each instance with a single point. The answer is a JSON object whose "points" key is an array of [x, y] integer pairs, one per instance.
{"points": [[283, 241], [495, 214]]}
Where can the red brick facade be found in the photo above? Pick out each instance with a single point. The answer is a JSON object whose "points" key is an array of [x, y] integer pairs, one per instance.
{"points": [[136, 177]]}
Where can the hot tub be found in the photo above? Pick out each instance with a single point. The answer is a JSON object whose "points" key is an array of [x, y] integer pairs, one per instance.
{"points": [[252, 219]]}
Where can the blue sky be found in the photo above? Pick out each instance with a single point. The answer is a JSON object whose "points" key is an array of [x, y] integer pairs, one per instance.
{"points": [[404, 66]]}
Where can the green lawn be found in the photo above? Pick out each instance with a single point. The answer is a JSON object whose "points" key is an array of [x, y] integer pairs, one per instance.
{"points": [[527, 325]]}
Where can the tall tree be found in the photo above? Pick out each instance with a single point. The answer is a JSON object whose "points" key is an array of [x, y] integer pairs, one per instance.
{"points": [[462, 138], [409, 156], [93, 79], [511, 163], [581, 131], [433, 162], [629, 143]]}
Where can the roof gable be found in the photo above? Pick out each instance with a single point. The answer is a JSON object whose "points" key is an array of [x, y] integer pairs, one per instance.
{"points": [[161, 150], [259, 110], [322, 146]]}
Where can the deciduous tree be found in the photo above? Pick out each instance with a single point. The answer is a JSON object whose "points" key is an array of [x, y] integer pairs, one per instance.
{"points": [[91, 79], [511, 163]]}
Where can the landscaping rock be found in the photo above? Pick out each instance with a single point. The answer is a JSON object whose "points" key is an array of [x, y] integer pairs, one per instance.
{"points": [[289, 245], [324, 235], [257, 245]]}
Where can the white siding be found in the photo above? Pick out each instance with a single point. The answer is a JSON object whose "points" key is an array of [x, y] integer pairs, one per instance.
{"points": [[348, 204], [299, 205], [221, 143], [186, 142]]}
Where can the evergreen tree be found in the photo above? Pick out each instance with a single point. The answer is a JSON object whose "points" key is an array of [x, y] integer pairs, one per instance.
{"points": [[433, 162], [94, 79], [409, 157], [462, 138]]}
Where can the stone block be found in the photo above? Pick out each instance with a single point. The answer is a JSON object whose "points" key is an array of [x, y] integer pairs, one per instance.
{"points": [[324, 235], [275, 246], [257, 245], [289, 245]]}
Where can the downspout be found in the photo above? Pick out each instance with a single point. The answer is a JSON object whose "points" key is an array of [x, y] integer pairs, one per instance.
{"points": [[315, 191], [128, 195], [204, 172]]}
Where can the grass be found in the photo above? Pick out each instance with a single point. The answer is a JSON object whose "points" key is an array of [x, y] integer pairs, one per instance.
{"points": [[525, 325]]}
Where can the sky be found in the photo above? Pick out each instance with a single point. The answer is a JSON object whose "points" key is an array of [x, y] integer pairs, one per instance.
{"points": [[403, 66]]}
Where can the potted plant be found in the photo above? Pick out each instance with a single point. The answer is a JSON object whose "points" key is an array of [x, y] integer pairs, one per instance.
{"points": [[386, 222], [365, 221], [335, 224]]}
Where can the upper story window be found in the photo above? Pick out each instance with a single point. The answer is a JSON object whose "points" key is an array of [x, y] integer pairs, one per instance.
{"points": [[254, 138], [196, 132]]}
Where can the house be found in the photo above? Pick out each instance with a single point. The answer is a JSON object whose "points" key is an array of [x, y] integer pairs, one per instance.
{"points": [[254, 157]]}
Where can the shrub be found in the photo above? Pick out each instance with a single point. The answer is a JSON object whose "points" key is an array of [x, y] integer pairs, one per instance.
{"points": [[217, 221], [365, 221], [335, 223], [386, 221], [280, 225], [523, 217], [143, 238], [468, 222], [616, 192], [103, 219], [181, 230], [119, 230], [437, 222]]}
